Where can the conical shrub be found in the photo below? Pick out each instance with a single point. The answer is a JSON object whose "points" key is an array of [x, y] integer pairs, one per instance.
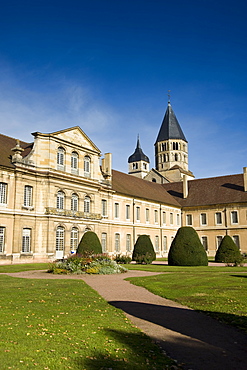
{"points": [[143, 250], [228, 251], [89, 244], [186, 249]]}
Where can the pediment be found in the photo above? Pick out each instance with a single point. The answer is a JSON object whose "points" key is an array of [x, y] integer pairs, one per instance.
{"points": [[77, 136]]}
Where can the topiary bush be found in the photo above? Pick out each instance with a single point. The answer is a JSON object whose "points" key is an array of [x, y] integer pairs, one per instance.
{"points": [[186, 249], [122, 259], [228, 252], [89, 244], [143, 250]]}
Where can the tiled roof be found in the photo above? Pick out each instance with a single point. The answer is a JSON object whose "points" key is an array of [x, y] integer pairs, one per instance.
{"points": [[210, 191], [6, 144], [138, 155], [135, 187]]}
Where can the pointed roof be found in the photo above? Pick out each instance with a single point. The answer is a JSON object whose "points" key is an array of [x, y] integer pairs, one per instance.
{"points": [[138, 155], [170, 128]]}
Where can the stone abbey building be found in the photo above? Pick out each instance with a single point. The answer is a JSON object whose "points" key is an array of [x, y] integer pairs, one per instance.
{"points": [[58, 187]]}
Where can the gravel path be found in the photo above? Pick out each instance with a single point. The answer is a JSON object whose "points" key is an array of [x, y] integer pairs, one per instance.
{"points": [[193, 339]]}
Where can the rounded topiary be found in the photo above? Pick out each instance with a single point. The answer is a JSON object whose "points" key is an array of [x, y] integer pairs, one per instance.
{"points": [[89, 244], [186, 249], [228, 251], [143, 250]]}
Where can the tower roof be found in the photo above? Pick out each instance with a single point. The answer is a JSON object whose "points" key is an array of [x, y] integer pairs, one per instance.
{"points": [[170, 128], [138, 155]]}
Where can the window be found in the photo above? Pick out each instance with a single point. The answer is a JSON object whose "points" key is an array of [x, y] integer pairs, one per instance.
{"points": [[171, 218], [189, 220], [156, 216], [156, 245], [60, 238], [205, 242], [117, 242], [165, 243], [203, 219], [127, 212], [164, 217], [28, 192], [3, 193], [60, 200], [116, 210], [74, 163], [2, 239], [218, 241], [74, 239], [87, 202], [104, 242], [60, 158], [147, 214], [104, 207], [234, 217], [74, 202], [128, 242], [236, 240], [26, 240], [87, 162], [218, 218], [137, 213], [178, 219]]}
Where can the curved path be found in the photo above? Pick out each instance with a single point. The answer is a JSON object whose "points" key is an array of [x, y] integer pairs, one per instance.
{"points": [[195, 340]]}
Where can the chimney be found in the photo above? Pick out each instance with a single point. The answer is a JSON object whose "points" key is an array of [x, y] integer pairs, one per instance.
{"points": [[245, 178], [106, 165], [185, 186]]}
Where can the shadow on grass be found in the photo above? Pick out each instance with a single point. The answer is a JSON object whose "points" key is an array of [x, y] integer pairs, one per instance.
{"points": [[240, 276]]}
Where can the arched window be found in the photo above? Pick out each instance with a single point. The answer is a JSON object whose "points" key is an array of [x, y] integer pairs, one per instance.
{"points": [[60, 200], [60, 158], [74, 202], [87, 202], [87, 165], [60, 238], [176, 157], [74, 162], [74, 239]]}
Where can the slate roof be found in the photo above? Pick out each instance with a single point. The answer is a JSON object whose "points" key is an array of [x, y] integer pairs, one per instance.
{"points": [[170, 128], [138, 155], [6, 144], [135, 187], [209, 191]]}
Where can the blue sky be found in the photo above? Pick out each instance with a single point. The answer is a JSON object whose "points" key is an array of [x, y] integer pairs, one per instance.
{"points": [[106, 65]]}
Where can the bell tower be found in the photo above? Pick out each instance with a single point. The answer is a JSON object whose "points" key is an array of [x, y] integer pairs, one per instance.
{"points": [[138, 162]]}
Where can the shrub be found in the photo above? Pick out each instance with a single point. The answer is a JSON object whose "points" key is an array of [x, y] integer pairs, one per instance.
{"points": [[105, 267], [143, 250], [89, 244], [122, 259], [186, 249], [228, 252]]}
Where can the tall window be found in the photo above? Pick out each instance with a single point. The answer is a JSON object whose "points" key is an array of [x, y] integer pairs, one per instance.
{"points": [[164, 217], [128, 242], [205, 242], [87, 201], [236, 240], [189, 220], [74, 202], [116, 210], [203, 219], [26, 240], [28, 193], [3, 193], [74, 239], [156, 216], [127, 212], [165, 243], [60, 200], [74, 162], [147, 214], [218, 218], [104, 207], [60, 158], [218, 241], [87, 162], [234, 217], [137, 213], [104, 242], [178, 219], [117, 242], [2, 239], [156, 244], [60, 238], [171, 218]]}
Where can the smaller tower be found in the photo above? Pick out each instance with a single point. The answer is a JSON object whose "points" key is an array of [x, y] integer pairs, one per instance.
{"points": [[138, 162]]}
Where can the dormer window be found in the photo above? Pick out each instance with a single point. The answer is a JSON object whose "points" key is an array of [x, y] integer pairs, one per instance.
{"points": [[74, 163], [87, 165], [60, 159]]}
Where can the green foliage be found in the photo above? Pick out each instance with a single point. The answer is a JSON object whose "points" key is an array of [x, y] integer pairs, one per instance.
{"points": [[105, 267], [186, 249], [228, 252], [89, 243], [122, 259], [143, 250]]}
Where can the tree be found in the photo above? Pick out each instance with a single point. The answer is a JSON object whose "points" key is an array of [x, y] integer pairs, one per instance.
{"points": [[228, 252], [89, 243], [186, 249], [143, 250]]}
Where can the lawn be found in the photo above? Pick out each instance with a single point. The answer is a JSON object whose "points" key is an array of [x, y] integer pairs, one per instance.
{"points": [[220, 292], [64, 324]]}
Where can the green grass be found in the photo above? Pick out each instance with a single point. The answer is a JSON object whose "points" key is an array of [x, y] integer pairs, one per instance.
{"points": [[24, 267], [64, 324], [220, 292]]}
